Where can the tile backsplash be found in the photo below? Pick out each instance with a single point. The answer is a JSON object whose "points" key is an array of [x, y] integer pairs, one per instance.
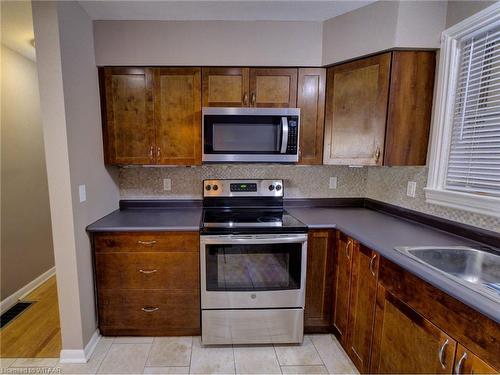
{"points": [[386, 184], [300, 181]]}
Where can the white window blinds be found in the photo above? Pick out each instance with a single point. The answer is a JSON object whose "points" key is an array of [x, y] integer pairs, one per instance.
{"points": [[474, 160]]}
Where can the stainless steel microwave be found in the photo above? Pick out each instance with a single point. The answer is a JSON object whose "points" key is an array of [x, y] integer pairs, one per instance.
{"points": [[250, 135]]}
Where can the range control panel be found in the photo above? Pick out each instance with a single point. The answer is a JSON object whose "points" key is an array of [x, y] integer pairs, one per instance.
{"points": [[243, 188]]}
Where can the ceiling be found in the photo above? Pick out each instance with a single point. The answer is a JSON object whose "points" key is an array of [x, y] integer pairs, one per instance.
{"points": [[17, 27], [253, 10]]}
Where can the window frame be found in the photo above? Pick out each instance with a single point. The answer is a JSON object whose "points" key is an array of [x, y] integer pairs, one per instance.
{"points": [[436, 192]]}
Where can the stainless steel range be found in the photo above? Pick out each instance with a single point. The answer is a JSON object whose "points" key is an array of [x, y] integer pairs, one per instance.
{"points": [[253, 264]]}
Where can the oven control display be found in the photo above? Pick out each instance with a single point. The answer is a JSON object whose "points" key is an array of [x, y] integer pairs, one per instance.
{"points": [[243, 187]]}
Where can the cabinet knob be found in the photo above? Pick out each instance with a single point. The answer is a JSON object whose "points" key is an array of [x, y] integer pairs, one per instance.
{"points": [[252, 101], [372, 261], [347, 248], [460, 362], [147, 272], [245, 98], [377, 154], [441, 353], [146, 243], [150, 309]]}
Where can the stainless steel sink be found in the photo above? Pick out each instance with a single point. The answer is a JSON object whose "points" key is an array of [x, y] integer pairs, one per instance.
{"points": [[475, 268]]}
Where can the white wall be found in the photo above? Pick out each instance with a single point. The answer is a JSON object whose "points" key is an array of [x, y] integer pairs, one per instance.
{"points": [[72, 131], [269, 43], [460, 10], [26, 241], [383, 25]]}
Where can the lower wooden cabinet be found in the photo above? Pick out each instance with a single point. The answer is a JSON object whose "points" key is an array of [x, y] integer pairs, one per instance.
{"points": [[362, 302], [318, 306], [148, 284], [467, 362], [405, 342], [345, 248]]}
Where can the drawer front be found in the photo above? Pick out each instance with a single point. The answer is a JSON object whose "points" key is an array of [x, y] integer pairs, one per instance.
{"points": [[146, 242], [149, 311], [161, 270]]}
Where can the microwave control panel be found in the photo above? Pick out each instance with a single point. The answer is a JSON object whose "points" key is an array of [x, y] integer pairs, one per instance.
{"points": [[293, 132]]}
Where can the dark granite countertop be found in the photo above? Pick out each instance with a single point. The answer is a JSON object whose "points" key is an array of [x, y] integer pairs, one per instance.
{"points": [[379, 231]]}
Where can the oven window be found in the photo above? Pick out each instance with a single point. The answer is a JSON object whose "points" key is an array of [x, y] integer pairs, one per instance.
{"points": [[253, 267], [246, 137]]}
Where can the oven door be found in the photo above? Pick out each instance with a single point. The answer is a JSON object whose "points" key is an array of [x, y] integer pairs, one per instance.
{"points": [[250, 134], [253, 271]]}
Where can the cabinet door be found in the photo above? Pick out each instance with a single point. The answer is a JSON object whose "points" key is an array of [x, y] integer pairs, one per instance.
{"points": [[311, 101], [177, 95], [225, 87], [405, 342], [273, 87], [342, 285], [410, 106], [127, 107], [467, 362], [319, 281], [356, 108], [362, 306]]}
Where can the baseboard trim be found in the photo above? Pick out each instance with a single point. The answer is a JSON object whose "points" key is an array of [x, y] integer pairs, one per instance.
{"points": [[11, 300], [81, 355]]}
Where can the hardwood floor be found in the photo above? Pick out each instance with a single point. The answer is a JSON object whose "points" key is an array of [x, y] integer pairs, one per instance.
{"points": [[36, 332]]}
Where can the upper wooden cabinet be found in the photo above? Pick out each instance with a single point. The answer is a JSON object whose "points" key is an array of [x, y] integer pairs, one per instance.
{"points": [[378, 109], [311, 101], [225, 87], [178, 115], [318, 305], [273, 87], [128, 128], [151, 115], [249, 87]]}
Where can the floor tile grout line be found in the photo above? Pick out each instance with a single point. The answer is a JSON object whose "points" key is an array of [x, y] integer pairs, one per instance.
{"points": [[191, 354], [234, 360], [104, 356], [149, 353], [317, 351], [277, 358]]}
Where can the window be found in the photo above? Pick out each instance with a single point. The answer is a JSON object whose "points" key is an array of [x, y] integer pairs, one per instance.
{"points": [[465, 156]]}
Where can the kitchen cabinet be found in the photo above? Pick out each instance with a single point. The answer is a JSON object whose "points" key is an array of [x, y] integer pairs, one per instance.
{"points": [[151, 115], [177, 93], [378, 109], [147, 283], [344, 250], [250, 87], [127, 108], [467, 362], [225, 87], [273, 87], [405, 342], [311, 101], [318, 307], [362, 302]]}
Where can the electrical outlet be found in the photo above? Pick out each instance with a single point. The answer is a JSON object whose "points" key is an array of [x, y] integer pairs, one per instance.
{"points": [[333, 183], [82, 193], [167, 184], [410, 189]]}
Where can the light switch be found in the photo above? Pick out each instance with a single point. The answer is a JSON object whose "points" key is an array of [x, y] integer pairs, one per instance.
{"points": [[82, 193], [333, 182], [167, 184], [411, 188]]}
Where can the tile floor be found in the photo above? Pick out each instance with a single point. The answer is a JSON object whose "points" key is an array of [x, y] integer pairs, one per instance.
{"points": [[319, 354]]}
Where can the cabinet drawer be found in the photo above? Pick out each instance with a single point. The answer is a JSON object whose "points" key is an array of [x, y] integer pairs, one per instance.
{"points": [[167, 270], [146, 241], [149, 312]]}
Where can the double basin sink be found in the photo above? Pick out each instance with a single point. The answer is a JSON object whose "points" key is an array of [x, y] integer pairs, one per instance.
{"points": [[475, 268]]}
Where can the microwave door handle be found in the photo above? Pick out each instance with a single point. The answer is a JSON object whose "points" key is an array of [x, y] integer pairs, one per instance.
{"points": [[284, 135]]}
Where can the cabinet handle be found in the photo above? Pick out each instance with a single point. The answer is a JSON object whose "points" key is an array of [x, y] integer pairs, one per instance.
{"points": [[441, 353], [146, 243], [147, 272], [458, 366], [245, 99], [158, 152], [150, 309], [347, 248], [372, 261], [151, 151], [252, 100], [377, 154]]}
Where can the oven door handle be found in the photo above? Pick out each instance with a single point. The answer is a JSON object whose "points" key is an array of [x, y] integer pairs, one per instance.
{"points": [[284, 134], [222, 240]]}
